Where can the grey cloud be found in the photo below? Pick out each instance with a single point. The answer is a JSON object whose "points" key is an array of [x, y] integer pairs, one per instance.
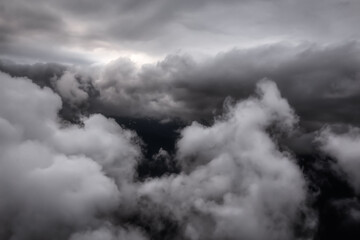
{"points": [[345, 148], [158, 27], [47, 75], [78, 182], [40, 73], [320, 82], [109, 233], [58, 180], [69, 88], [67, 172], [235, 183]]}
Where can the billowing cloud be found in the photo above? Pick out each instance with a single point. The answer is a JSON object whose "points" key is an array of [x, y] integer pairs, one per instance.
{"points": [[145, 119], [235, 182], [320, 82], [57, 180], [342, 143], [69, 88], [79, 181], [344, 147]]}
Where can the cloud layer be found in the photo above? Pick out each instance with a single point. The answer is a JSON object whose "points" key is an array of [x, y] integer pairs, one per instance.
{"points": [[89, 31], [320, 82], [78, 182]]}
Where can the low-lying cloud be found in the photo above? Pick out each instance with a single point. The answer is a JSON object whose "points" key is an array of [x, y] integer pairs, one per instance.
{"points": [[79, 182]]}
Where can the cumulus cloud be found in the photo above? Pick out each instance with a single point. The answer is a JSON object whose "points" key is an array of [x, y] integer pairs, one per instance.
{"points": [[344, 147], [79, 182], [67, 171], [320, 82], [235, 182], [182, 87], [69, 88], [57, 180]]}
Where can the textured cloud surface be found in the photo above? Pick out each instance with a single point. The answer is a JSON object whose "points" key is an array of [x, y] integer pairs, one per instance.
{"points": [[345, 148], [236, 183], [320, 82], [78, 182], [154, 119], [55, 179], [89, 31]]}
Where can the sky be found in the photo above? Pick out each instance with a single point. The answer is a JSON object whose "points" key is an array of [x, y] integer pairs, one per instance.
{"points": [[83, 32], [179, 119]]}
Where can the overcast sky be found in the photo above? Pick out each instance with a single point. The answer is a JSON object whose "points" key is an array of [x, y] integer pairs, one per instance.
{"points": [[82, 32]]}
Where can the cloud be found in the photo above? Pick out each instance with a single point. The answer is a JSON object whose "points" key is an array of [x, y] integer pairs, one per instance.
{"points": [[235, 182], [79, 182], [344, 147], [58, 180], [67, 171], [109, 233], [69, 88], [321, 82], [89, 30]]}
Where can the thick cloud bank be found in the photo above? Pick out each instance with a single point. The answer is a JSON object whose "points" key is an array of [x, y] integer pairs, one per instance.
{"points": [[321, 82], [78, 182]]}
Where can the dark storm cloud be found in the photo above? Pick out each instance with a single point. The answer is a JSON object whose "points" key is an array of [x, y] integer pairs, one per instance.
{"points": [[158, 27], [321, 82], [40, 73]]}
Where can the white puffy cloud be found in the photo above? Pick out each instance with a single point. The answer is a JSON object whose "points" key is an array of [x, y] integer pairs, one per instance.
{"points": [[236, 183], [56, 180]]}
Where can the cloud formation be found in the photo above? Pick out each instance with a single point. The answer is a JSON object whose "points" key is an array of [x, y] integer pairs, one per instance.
{"points": [[344, 147], [206, 157], [57, 180], [320, 82], [79, 182], [87, 31], [235, 182]]}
